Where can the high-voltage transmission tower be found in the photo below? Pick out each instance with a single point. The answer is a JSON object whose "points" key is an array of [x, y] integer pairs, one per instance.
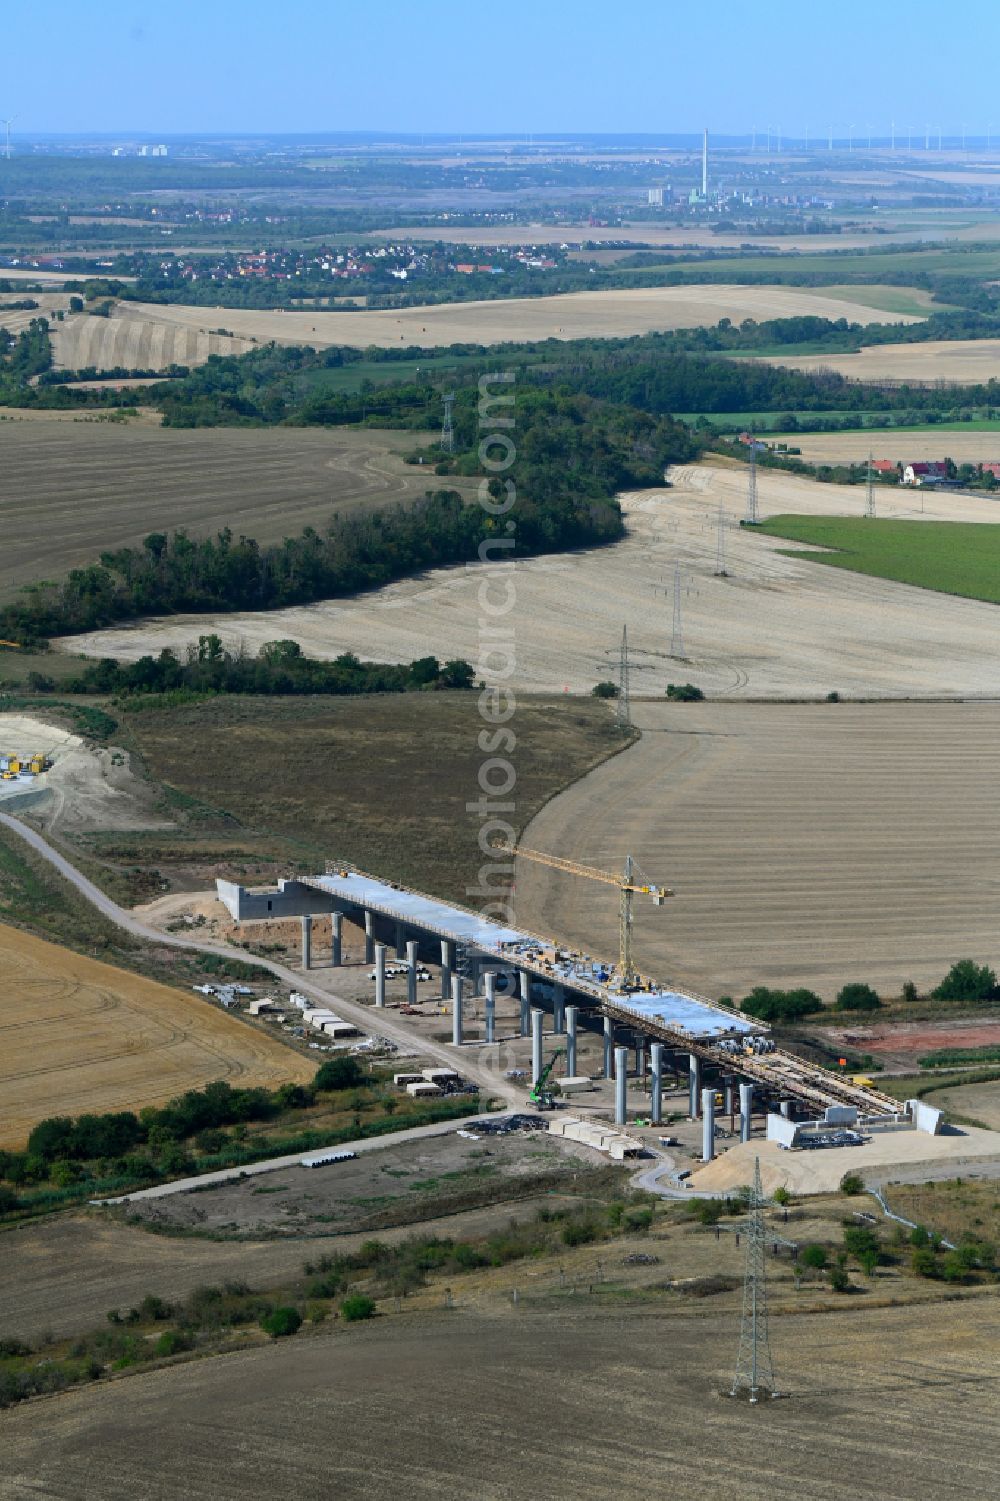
{"points": [[447, 426], [754, 1370], [677, 631], [752, 516], [869, 490], [720, 546], [623, 715]]}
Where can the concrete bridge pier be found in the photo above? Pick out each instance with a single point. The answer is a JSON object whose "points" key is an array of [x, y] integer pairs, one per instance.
{"points": [[708, 1125], [369, 937], [411, 973], [609, 1042], [746, 1111], [400, 940], [380, 975], [491, 1005], [307, 942], [447, 965], [621, 1084], [456, 1011], [524, 990], [656, 1084], [694, 1085], [572, 1012], [537, 1018], [337, 940], [558, 1009]]}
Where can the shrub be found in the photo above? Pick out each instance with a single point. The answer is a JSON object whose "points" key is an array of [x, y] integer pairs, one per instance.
{"points": [[860, 1242], [357, 1307], [684, 693], [923, 1262], [171, 1342], [780, 1005], [965, 981], [339, 1073], [910, 991], [781, 1195], [852, 1184], [638, 1219], [840, 1282], [814, 1257], [281, 1322], [605, 690], [857, 997], [578, 1233]]}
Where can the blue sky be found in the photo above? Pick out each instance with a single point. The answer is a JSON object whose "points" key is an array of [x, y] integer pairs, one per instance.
{"points": [[498, 65]]}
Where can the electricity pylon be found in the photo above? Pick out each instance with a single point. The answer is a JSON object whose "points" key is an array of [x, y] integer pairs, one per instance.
{"points": [[752, 517], [720, 546], [754, 1369], [447, 425], [869, 491], [623, 708]]}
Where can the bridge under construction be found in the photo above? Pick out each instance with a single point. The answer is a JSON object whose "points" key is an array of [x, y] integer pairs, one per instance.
{"points": [[576, 989]]}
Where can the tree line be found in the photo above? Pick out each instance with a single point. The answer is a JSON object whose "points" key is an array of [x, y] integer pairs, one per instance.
{"points": [[279, 668]]}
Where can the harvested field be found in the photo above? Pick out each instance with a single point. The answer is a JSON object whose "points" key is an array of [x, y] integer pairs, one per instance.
{"points": [[509, 1407], [891, 1155], [79, 1036], [774, 625], [976, 1102], [382, 781], [572, 315], [129, 339], [14, 319], [635, 236], [968, 447], [808, 845], [960, 360], [103, 485]]}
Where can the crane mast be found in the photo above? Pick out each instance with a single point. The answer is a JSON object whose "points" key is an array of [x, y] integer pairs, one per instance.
{"points": [[628, 883]]}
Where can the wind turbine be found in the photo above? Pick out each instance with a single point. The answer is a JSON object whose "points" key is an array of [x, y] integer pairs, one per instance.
{"points": [[7, 125]]}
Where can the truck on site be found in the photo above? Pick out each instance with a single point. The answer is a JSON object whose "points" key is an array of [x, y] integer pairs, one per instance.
{"points": [[542, 1096]]}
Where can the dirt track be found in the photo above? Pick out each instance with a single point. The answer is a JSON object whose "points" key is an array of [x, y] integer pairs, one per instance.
{"points": [[774, 626], [576, 1404], [77, 1036], [808, 845]]}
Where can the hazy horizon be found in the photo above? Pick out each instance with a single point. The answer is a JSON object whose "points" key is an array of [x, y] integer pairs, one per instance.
{"points": [[522, 69]]}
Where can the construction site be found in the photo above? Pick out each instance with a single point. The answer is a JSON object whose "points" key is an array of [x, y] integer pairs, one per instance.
{"points": [[595, 1034]]}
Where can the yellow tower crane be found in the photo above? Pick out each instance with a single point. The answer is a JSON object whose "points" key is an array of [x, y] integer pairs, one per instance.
{"points": [[629, 882]]}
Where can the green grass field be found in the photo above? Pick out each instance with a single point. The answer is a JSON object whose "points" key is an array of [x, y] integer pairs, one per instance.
{"points": [[846, 265], [950, 557]]}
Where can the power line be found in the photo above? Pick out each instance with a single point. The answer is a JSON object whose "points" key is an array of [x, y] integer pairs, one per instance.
{"points": [[754, 1368]]}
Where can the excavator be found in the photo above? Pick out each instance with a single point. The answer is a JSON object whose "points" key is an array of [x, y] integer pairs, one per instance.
{"points": [[541, 1095]]}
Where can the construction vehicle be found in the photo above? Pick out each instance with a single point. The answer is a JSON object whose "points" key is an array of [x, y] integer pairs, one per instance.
{"points": [[542, 1096], [628, 883]]}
